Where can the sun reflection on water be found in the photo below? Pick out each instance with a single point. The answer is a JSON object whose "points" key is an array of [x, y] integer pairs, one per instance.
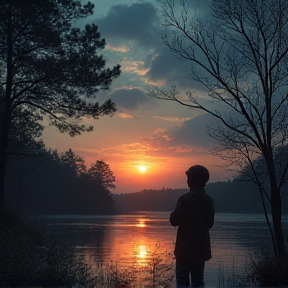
{"points": [[141, 223], [141, 251]]}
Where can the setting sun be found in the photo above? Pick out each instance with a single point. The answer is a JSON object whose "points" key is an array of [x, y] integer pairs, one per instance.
{"points": [[142, 168]]}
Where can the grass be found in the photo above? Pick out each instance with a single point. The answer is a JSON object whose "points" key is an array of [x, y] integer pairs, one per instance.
{"points": [[155, 273], [263, 269], [28, 258]]}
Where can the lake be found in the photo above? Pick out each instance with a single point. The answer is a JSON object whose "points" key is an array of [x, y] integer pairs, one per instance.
{"points": [[143, 240]]}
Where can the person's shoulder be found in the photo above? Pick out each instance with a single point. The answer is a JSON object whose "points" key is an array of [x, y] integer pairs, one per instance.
{"points": [[202, 196], [209, 197], [190, 197], [184, 196], [211, 200]]}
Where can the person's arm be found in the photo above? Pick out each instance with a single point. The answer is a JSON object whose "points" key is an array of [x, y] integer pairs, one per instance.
{"points": [[177, 216]]}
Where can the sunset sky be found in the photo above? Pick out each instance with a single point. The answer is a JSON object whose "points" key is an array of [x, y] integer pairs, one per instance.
{"points": [[161, 136]]}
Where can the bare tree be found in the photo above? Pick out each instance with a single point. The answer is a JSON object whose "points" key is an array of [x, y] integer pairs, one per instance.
{"points": [[240, 55]]}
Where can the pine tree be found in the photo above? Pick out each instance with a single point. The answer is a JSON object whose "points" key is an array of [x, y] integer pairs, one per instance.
{"points": [[100, 173], [49, 68]]}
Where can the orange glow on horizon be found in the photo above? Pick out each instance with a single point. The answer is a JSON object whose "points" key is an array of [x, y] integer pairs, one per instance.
{"points": [[163, 168]]}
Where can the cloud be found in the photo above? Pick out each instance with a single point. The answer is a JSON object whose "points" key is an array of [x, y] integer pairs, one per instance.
{"points": [[120, 48], [194, 132], [129, 99], [155, 146], [137, 67], [176, 120], [132, 28], [130, 22], [124, 115], [135, 31], [200, 6], [166, 66]]}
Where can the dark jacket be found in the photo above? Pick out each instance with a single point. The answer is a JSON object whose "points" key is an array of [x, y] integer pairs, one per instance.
{"points": [[194, 214]]}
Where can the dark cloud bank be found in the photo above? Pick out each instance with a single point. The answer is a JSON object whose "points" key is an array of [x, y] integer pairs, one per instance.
{"points": [[140, 22]]}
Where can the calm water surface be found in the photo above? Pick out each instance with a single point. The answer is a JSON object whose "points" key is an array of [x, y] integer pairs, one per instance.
{"points": [[130, 241]]}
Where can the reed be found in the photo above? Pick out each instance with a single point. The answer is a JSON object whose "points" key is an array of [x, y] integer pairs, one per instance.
{"points": [[28, 258], [264, 270], [260, 270]]}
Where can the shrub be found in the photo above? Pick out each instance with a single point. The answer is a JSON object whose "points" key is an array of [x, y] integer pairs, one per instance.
{"points": [[263, 269], [29, 258]]}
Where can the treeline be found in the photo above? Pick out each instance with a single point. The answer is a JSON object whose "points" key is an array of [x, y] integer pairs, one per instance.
{"points": [[230, 197], [60, 183], [53, 183]]}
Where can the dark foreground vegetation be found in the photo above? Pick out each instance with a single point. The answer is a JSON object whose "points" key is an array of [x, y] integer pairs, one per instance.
{"points": [[263, 269], [28, 258]]}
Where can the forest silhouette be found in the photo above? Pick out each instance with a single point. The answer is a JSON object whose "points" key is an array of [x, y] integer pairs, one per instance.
{"points": [[54, 183], [230, 197]]}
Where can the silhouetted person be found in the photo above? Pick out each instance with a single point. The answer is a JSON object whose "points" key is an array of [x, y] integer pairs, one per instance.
{"points": [[194, 216]]}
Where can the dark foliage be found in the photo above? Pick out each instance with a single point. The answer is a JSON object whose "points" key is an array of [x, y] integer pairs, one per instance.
{"points": [[43, 185], [51, 69], [101, 174], [29, 258], [262, 268]]}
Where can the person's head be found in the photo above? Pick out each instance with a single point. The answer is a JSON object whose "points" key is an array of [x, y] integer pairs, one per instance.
{"points": [[197, 176]]}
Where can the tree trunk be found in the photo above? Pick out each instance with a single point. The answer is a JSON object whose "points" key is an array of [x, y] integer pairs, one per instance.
{"points": [[267, 218], [4, 138], [6, 120], [276, 210], [3, 159]]}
